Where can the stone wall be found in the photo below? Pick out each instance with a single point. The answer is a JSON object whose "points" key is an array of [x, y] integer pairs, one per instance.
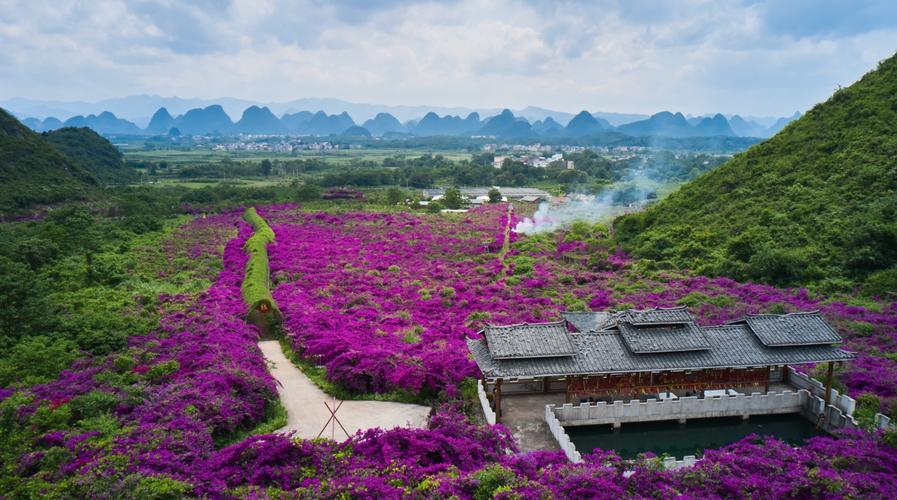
{"points": [[800, 380], [560, 435], [680, 409], [484, 402]]}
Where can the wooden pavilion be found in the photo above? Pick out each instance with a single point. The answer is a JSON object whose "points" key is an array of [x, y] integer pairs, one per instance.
{"points": [[654, 353]]}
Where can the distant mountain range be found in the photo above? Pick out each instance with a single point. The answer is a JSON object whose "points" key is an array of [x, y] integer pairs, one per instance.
{"points": [[261, 120], [141, 111]]}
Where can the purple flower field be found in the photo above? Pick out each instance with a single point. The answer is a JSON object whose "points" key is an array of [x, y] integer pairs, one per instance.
{"points": [[385, 301]]}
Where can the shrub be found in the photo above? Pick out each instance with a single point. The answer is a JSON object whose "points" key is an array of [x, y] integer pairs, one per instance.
{"points": [[256, 290]]}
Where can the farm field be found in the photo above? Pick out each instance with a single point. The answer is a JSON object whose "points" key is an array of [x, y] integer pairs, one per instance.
{"points": [[336, 157], [383, 302]]}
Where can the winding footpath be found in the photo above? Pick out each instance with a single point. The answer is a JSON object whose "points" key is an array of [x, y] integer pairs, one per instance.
{"points": [[307, 415]]}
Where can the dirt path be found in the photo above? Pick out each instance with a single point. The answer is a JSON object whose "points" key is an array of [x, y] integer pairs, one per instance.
{"points": [[306, 413]]}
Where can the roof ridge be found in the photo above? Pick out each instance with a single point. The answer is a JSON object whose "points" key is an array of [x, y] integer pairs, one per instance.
{"points": [[632, 309], [795, 313], [525, 323]]}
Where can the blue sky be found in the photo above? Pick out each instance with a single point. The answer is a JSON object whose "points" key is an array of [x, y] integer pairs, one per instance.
{"points": [[750, 57]]}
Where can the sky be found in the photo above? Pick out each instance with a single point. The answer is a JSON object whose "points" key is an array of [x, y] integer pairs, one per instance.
{"points": [[695, 56]]}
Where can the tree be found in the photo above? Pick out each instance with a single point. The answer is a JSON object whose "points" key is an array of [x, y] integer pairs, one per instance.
{"points": [[265, 167], [452, 198], [394, 196], [494, 196], [308, 192]]}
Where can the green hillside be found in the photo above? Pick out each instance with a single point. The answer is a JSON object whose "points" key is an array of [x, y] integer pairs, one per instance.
{"points": [[816, 204], [94, 152], [33, 173]]}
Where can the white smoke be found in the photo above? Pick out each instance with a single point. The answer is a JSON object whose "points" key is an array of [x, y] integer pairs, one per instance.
{"points": [[588, 208]]}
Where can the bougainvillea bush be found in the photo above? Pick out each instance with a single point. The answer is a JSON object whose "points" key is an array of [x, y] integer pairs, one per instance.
{"points": [[385, 301], [156, 409]]}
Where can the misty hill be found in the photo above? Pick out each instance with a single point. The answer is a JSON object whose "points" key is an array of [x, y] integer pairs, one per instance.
{"points": [[434, 125], [506, 125], [356, 132], [746, 128], [323, 124], [256, 120], [815, 204], [382, 124], [160, 123], [584, 124], [93, 152], [32, 172], [104, 123], [209, 120], [295, 122], [782, 123], [663, 124], [713, 127], [548, 127]]}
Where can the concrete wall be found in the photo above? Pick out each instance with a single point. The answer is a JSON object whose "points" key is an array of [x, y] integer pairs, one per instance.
{"points": [[484, 402], [560, 435], [835, 419], [800, 380], [681, 409], [883, 422]]}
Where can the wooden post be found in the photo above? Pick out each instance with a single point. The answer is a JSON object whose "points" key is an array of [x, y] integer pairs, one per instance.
{"points": [[828, 389], [497, 399], [766, 385]]}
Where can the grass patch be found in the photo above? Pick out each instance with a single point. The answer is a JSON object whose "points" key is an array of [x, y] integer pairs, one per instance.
{"points": [[318, 375], [275, 418]]}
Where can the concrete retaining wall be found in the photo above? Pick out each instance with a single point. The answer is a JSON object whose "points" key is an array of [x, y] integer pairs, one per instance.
{"points": [[882, 422], [681, 409], [484, 402], [560, 435], [800, 380]]}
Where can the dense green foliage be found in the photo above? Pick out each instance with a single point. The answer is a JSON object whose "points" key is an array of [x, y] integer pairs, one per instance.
{"points": [[93, 152], [78, 283], [816, 204], [33, 173], [592, 172], [256, 287]]}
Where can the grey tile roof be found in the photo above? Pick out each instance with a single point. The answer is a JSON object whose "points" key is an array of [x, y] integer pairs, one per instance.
{"points": [[529, 340], [731, 346], [805, 328], [665, 338], [586, 321], [659, 316]]}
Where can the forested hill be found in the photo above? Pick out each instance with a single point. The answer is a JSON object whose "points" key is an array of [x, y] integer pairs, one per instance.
{"points": [[32, 172], [816, 204], [94, 152]]}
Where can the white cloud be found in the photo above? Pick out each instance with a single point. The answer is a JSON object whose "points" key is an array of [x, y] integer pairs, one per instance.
{"points": [[698, 56]]}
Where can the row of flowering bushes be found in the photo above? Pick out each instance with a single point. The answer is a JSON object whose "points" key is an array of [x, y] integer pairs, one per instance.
{"points": [[456, 459], [113, 423]]}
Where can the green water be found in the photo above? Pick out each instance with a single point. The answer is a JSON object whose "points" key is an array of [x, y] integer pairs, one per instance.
{"points": [[690, 439]]}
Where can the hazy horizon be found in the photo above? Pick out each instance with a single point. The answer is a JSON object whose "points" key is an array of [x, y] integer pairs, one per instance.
{"points": [[698, 57]]}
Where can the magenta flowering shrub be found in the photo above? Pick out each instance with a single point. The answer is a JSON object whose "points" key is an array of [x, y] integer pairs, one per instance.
{"points": [[385, 301], [385, 461], [199, 376]]}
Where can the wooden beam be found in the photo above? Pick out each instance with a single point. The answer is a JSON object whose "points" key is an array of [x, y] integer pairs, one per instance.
{"points": [[497, 399]]}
